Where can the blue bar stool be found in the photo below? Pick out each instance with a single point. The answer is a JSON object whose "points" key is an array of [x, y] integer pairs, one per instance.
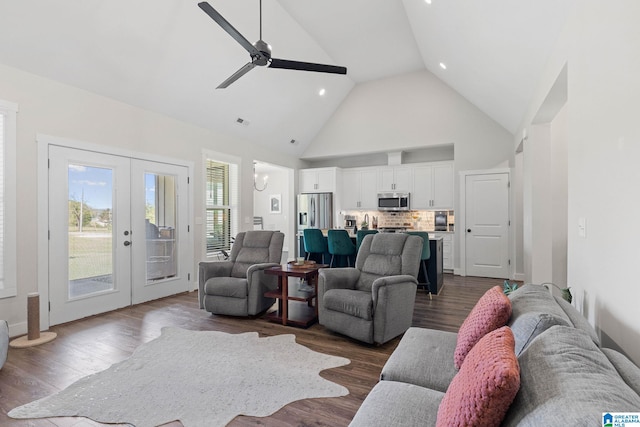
{"points": [[340, 244], [314, 242], [426, 254], [360, 235]]}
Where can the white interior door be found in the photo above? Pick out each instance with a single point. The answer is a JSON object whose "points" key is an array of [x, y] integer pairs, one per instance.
{"points": [[89, 264], [118, 232], [487, 225]]}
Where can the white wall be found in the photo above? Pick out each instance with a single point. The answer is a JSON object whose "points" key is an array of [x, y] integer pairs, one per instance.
{"points": [[410, 112], [601, 45], [537, 205], [559, 198], [277, 185], [56, 109]]}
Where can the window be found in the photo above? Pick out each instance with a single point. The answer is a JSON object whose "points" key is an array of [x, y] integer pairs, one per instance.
{"points": [[221, 201], [7, 199]]}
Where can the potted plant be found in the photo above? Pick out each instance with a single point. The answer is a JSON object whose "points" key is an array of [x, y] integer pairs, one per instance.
{"points": [[507, 288], [566, 292]]}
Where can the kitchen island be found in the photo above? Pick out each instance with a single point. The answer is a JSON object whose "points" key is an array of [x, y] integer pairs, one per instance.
{"points": [[434, 264]]}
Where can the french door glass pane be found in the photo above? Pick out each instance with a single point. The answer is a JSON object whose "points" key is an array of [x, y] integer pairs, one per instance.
{"points": [[160, 219], [90, 230]]}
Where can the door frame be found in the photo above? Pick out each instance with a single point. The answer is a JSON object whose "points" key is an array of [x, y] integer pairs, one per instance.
{"points": [[43, 142], [461, 225]]}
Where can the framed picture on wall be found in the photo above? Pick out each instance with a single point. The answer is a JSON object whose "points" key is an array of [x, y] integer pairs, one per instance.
{"points": [[275, 203]]}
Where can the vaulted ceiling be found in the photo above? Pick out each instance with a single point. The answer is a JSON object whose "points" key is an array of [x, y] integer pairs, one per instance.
{"points": [[168, 55]]}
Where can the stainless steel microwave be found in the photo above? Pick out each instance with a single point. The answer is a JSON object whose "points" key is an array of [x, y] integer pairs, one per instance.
{"points": [[393, 202]]}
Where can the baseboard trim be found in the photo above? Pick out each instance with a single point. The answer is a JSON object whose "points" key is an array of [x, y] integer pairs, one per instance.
{"points": [[17, 329], [458, 272], [519, 277]]}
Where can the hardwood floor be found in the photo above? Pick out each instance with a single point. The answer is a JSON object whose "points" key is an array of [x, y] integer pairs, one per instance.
{"points": [[93, 344]]}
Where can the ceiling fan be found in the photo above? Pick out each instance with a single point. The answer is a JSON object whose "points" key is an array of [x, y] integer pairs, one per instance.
{"points": [[261, 52]]}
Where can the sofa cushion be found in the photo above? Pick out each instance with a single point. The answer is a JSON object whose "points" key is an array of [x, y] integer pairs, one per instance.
{"points": [[492, 311], [629, 372], [534, 310], [577, 319], [489, 378], [423, 357], [395, 404], [566, 378], [527, 326], [352, 302]]}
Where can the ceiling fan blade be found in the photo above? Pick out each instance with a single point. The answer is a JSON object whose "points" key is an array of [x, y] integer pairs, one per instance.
{"points": [[306, 66], [235, 76], [209, 10]]}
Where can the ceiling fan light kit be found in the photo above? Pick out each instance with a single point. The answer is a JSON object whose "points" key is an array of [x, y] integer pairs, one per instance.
{"points": [[260, 51]]}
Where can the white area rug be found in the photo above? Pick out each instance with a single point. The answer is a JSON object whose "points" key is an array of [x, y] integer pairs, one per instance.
{"points": [[201, 378]]}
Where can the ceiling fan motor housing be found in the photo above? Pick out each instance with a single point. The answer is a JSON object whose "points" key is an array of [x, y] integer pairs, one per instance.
{"points": [[265, 50]]}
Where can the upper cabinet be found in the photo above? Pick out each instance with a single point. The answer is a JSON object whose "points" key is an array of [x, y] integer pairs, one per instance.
{"points": [[318, 180], [395, 178], [432, 186], [359, 188]]}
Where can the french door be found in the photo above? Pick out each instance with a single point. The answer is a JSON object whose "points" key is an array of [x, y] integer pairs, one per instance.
{"points": [[118, 232]]}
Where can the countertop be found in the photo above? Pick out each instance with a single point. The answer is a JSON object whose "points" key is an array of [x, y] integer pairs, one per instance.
{"points": [[431, 233]]}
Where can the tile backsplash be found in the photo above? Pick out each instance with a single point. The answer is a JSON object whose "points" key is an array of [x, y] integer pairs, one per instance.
{"points": [[417, 220]]}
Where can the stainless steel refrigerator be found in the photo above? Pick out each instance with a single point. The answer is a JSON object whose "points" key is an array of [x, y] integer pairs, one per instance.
{"points": [[315, 210]]}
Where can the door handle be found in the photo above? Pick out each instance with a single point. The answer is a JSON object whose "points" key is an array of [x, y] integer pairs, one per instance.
{"points": [[468, 230], [127, 243]]}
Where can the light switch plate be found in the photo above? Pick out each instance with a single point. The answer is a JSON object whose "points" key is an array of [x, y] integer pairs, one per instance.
{"points": [[582, 227]]}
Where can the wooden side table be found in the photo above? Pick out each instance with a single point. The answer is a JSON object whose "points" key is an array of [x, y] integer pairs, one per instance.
{"points": [[303, 315]]}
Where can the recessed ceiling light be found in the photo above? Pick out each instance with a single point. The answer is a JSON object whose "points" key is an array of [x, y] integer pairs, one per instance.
{"points": [[321, 92], [427, 1], [444, 67]]}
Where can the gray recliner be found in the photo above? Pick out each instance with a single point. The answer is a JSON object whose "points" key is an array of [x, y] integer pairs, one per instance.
{"points": [[373, 301], [236, 287]]}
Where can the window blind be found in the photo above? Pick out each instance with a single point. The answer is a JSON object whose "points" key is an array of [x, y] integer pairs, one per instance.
{"points": [[221, 205]]}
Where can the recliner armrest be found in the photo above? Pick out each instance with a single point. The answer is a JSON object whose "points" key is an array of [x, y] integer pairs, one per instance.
{"points": [[261, 266], [390, 281], [211, 269], [256, 277]]}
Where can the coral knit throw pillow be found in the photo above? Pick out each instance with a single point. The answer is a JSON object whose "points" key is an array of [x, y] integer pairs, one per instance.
{"points": [[481, 393], [492, 311]]}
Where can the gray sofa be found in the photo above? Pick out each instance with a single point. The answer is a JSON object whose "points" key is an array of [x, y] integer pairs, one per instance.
{"points": [[566, 378]]}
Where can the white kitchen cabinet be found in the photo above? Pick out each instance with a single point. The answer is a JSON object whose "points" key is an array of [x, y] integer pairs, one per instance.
{"points": [[447, 250], [432, 186], [395, 178], [317, 180], [359, 189]]}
